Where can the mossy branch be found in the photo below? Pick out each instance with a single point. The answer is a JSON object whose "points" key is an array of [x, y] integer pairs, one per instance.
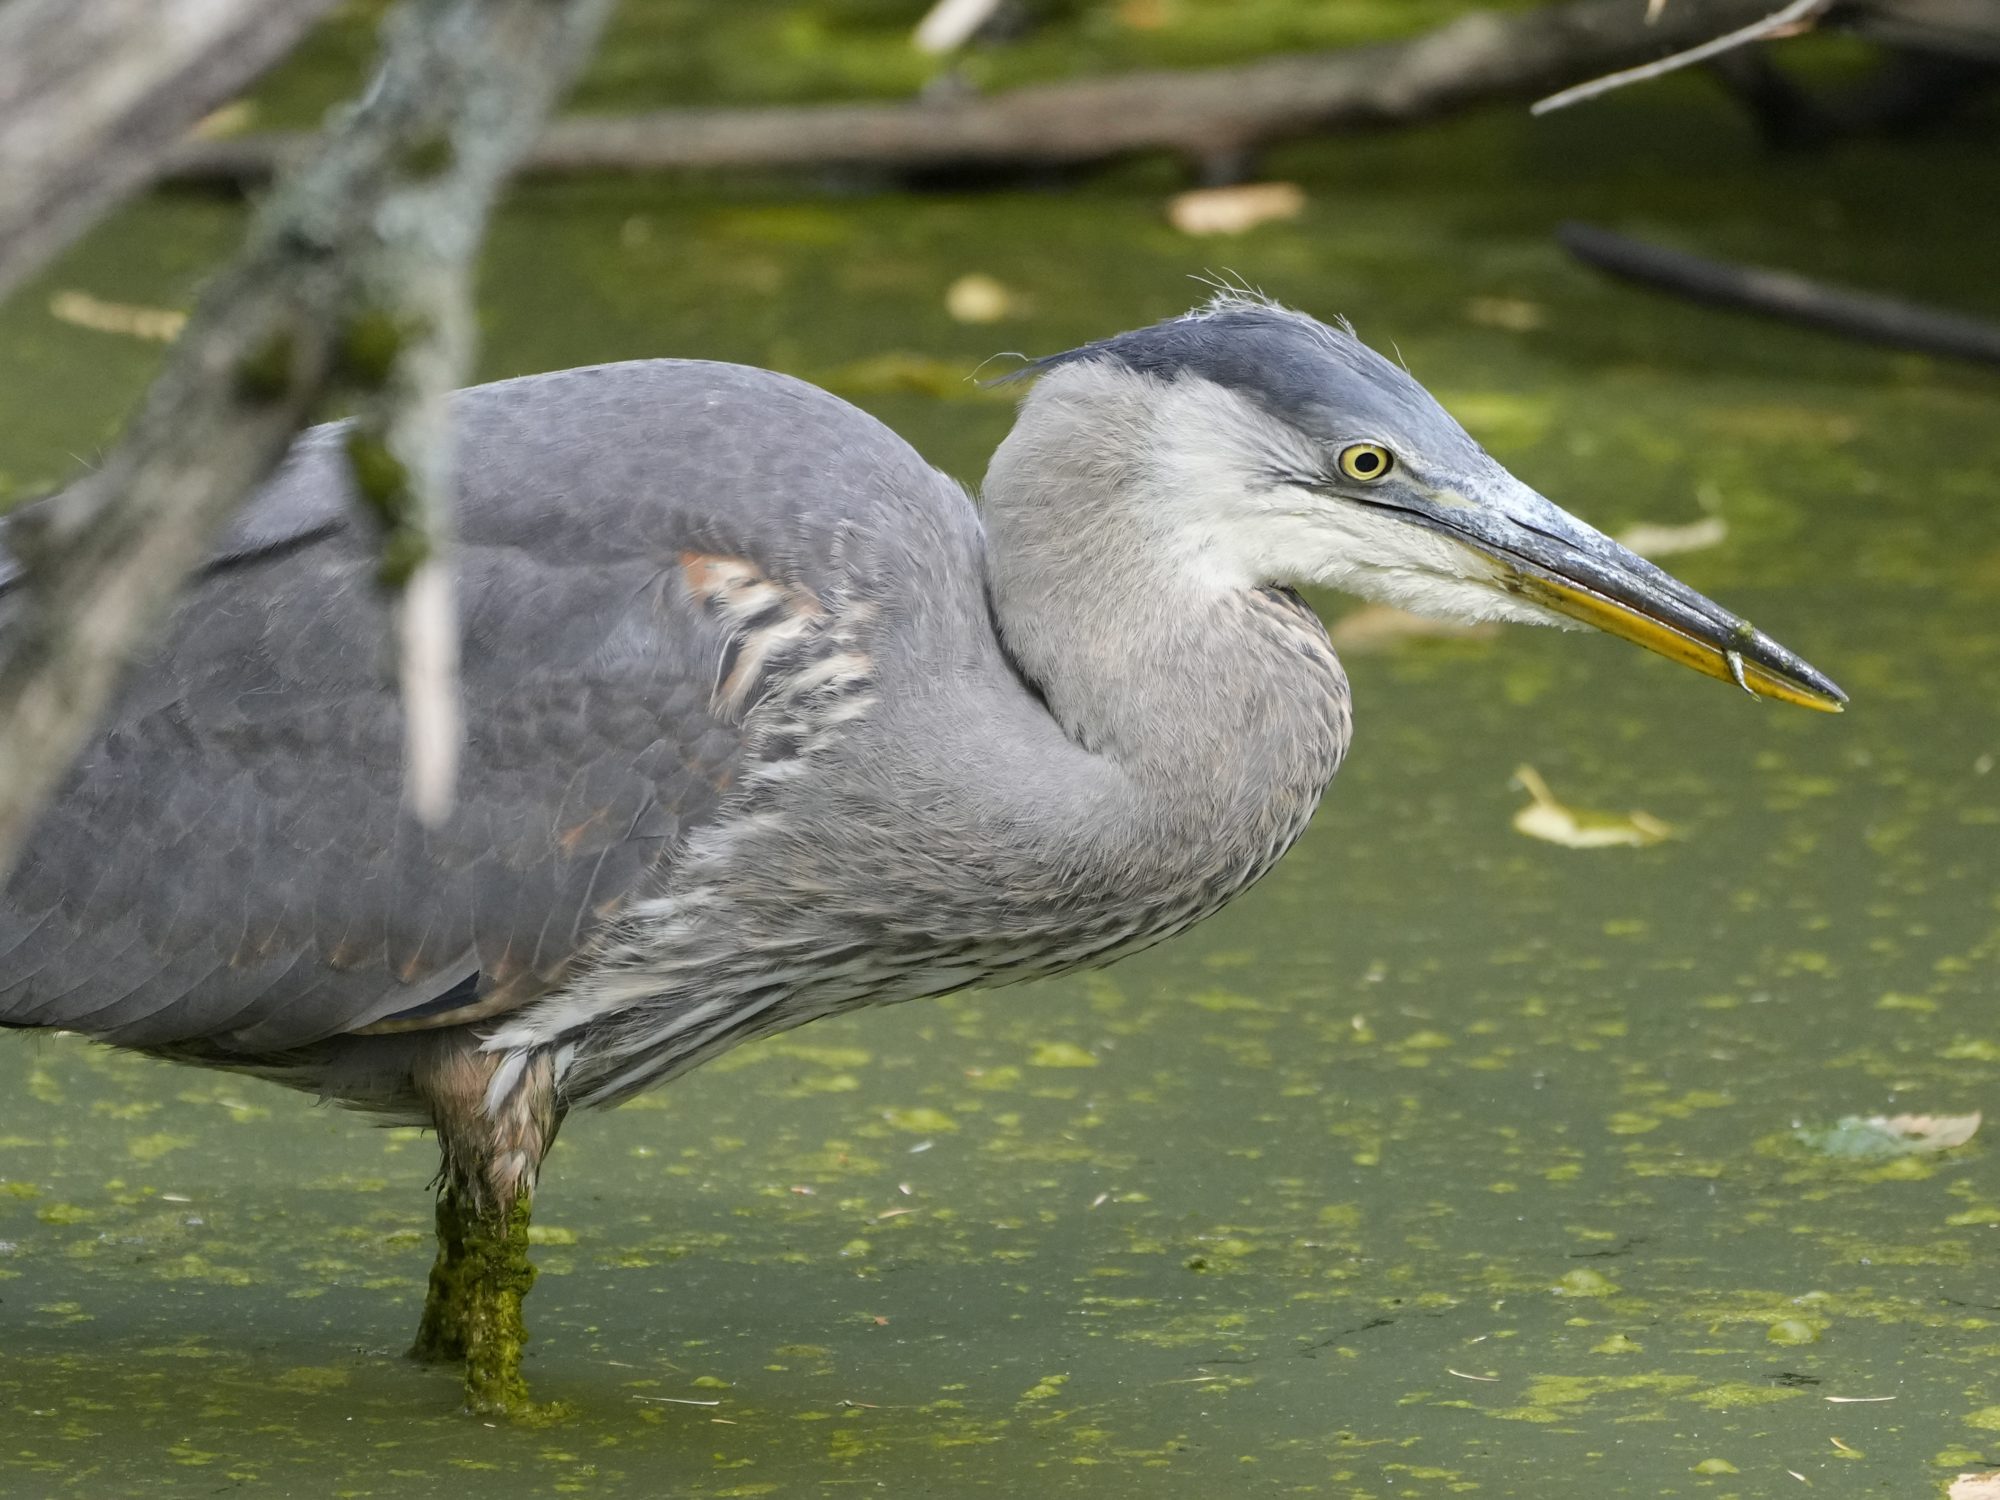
{"points": [[378, 218], [94, 96]]}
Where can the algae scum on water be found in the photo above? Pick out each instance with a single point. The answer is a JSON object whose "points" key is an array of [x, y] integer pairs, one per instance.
{"points": [[1449, 1161]]}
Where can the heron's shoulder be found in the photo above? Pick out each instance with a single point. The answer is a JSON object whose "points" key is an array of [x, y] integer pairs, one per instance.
{"points": [[673, 414], [642, 389], [694, 455]]}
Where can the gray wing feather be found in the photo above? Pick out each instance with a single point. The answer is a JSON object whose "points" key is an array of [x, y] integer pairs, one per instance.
{"points": [[229, 861]]}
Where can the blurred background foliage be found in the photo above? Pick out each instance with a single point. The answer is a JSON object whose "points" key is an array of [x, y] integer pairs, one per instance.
{"points": [[663, 53]]}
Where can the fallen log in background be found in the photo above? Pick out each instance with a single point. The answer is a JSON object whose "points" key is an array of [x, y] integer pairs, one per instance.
{"points": [[1212, 116]]}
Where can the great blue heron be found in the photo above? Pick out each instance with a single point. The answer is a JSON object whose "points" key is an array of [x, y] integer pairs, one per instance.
{"points": [[766, 722]]}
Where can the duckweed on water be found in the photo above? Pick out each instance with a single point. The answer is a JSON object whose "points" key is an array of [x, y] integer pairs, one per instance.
{"points": [[1793, 1331]]}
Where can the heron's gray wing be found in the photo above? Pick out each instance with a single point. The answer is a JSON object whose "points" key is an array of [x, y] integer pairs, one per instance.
{"points": [[229, 861]]}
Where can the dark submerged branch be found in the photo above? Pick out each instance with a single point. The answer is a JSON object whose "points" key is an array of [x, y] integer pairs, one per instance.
{"points": [[374, 233], [1947, 28], [1208, 115], [94, 95], [1907, 91], [1780, 294]]}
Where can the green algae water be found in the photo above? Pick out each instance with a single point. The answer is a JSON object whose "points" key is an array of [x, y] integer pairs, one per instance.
{"points": [[1446, 1162]]}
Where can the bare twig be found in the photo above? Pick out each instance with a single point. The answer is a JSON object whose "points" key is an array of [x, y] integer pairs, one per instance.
{"points": [[382, 222], [1207, 115], [1780, 294], [94, 95], [1798, 14]]}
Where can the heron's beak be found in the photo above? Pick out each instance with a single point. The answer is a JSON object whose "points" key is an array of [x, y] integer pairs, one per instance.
{"points": [[1550, 558]]}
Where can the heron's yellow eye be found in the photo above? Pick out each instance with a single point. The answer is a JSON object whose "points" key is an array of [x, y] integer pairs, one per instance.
{"points": [[1366, 462]]}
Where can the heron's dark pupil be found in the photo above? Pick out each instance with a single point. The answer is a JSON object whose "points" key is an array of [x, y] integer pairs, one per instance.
{"points": [[1367, 463]]}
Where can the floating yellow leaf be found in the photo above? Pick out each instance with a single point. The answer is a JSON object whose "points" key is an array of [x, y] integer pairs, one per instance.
{"points": [[1932, 1132], [1667, 541], [1231, 210], [1581, 828], [1514, 314], [978, 298], [85, 311], [231, 119]]}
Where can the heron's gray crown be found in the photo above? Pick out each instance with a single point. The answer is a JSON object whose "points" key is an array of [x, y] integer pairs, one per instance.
{"points": [[1321, 380]]}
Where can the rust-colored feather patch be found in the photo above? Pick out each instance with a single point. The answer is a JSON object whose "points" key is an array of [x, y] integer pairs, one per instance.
{"points": [[764, 618], [576, 835]]}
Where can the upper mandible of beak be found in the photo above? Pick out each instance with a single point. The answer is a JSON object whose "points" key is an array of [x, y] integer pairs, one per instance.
{"points": [[1550, 558]]}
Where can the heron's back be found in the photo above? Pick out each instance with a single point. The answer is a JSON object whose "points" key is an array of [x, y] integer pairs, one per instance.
{"points": [[642, 547]]}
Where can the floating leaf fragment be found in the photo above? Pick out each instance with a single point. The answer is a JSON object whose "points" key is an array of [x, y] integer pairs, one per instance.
{"points": [[978, 298], [1581, 828], [1881, 1136], [231, 119], [1232, 210], [1975, 1486], [160, 324], [1515, 314], [1656, 542]]}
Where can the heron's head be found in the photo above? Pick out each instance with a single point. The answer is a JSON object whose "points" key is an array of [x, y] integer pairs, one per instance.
{"points": [[1280, 450]]}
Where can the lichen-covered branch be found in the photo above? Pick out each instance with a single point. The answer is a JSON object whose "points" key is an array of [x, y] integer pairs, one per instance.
{"points": [[94, 94], [1210, 115], [377, 228]]}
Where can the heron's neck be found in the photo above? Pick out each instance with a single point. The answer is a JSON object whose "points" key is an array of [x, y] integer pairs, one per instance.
{"points": [[1212, 691]]}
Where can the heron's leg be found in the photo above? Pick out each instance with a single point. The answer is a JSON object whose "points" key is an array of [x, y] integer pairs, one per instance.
{"points": [[441, 1334], [494, 1277], [492, 1155]]}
